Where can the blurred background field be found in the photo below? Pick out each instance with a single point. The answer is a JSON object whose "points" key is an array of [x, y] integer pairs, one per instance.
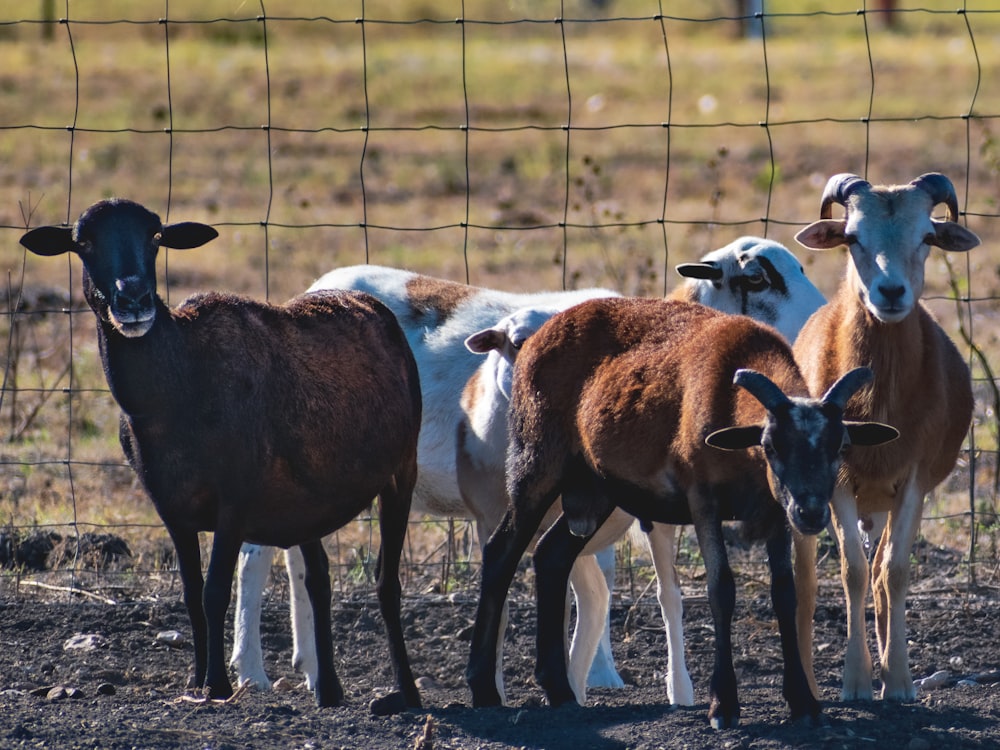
{"points": [[519, 145]]}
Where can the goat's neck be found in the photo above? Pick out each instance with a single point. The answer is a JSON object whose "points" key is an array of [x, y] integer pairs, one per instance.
{"points": [[142, 372], [894, 352]]}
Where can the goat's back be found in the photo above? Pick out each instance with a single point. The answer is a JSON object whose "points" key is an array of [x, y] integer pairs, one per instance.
{"points": [[636, 385], [314, 401]]}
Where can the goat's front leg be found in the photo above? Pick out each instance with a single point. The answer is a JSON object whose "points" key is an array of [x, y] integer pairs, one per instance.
{"points": [[857, 681], [724, 704], [797, 690], [663, 549], [217, 595], [252, 571], [189, 563], [592, 595], [805, 598], [554, 556], [329, 691], [891, 582]]}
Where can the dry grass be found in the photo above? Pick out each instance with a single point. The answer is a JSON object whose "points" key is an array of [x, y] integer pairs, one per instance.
{"points": [[290, 201]]}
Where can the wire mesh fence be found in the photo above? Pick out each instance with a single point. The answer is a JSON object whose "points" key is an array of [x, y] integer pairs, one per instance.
{"points": [[523, 145]]}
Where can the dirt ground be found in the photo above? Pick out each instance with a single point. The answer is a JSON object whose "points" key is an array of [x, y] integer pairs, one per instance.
{"points": [[124, 688]]}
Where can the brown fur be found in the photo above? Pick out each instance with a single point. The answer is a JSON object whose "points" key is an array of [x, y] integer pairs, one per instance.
{"points": [[437, 297]]}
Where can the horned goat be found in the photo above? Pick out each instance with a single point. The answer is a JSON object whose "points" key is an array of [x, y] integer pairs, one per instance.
{"points": [[612, 403], [263, 423], [922, 386]]}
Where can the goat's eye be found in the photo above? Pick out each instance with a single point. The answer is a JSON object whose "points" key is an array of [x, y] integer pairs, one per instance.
{"points": [[755, 282]]}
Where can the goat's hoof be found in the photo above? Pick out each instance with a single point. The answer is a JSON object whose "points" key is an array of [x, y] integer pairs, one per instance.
{"points": [[387, 705], [485, 697], [816, 719], [724, 722], [219, 692]]}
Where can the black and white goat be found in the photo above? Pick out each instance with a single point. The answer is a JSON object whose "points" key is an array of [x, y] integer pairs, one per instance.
{"points": [[263, 423], [612, 404], [922, 386]]}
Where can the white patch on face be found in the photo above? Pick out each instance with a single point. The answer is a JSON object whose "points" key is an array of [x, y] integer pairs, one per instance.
{"points": [[810, 423]]}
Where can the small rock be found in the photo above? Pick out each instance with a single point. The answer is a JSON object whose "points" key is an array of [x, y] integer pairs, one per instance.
{"points": [[967, 683], [85, 642], [106, 688], [936, 680], [57, 693], [282, 685], [427, 683], [171, 638]]}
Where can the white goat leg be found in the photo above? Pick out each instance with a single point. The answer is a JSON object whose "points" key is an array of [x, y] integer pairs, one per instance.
{"points": [[592, 598], [304, 658], [603, 672], [253, 568], [662, 542]]}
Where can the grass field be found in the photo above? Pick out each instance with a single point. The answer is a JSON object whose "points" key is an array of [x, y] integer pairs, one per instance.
{"points": [[507, 150]]}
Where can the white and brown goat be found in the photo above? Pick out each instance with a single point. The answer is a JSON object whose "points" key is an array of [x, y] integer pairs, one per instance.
{"points": [[921, 386], [612, 404]]}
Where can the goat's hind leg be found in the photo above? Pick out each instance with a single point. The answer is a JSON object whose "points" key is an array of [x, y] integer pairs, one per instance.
{"points": [[251, 576], [554, 556], [501, 556], [394, 513], [329, 691]]}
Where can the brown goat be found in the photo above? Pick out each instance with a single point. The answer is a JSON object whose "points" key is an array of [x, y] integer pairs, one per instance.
{"points": [[613, 402], [922, 387]]}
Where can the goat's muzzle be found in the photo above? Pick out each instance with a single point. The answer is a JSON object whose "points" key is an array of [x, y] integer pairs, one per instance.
{"points": [[132, 308], [809, 519]]}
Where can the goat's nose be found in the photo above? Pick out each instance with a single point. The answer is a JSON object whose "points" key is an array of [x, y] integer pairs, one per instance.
{"points": [[132, 295], [892, 293], [811, 519]]}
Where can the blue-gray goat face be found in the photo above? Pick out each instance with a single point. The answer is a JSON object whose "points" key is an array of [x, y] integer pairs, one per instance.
{"points": [[118, 243], [804, 445]]}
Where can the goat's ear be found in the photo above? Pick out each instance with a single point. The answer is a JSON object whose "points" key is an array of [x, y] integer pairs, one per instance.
{"points": [[952, 237], [870, 433], [735, 438], [823, 234], [484, 341], [49, 240], [186, 235], [709, 271]]}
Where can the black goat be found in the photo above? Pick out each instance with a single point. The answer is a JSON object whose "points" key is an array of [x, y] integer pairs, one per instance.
{"points": [[263, 423]]}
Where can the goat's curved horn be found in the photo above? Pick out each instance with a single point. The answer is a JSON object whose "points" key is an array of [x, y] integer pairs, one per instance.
{"points": [[838, 189], [761, 388], [940, 189], [703, 270], [848, 384]]}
